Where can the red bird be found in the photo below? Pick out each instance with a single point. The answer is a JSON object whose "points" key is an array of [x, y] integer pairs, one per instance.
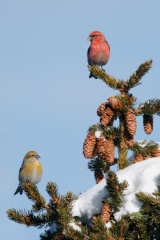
{"points": [[99, 50]]}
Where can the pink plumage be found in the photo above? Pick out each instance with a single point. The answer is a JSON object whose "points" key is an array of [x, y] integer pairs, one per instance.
{"points": [[99, 49]]}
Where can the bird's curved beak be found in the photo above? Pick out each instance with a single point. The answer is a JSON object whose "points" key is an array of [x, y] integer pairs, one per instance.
{"points": [[38, 156], [89, 38]]}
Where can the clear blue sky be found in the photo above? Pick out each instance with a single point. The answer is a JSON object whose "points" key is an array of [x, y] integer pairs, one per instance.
{"points": [[47, 101]]}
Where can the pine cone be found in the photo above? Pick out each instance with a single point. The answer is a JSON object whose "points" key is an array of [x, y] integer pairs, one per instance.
{"points": [[129, 140], [89, 145], [157, 153], [148, 123], [105, 213], [110, 151], [106, 116], [147, 156], [101, 108], [138, 158], [131, 124], [110, 124], [115, 103], [101, 146], [105, 149], [98, 175], [94, 152]]}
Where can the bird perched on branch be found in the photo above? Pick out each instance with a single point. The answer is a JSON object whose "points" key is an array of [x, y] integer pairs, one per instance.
{"points": [[30, 171], [98, 51]]}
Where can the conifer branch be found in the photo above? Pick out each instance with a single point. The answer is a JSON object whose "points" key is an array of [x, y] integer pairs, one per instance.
{"points": [[98, 229], [135, 78], [49, 235], [27, 218], [150, 210], [115, 190], [147, 199], [151, 106], [52, 191], [121, 85], [120, 229], [96, 163], [137, 228], [99, 73], [33, 194], [95, 127], [108, 131], [18, 216], [146, 148]]}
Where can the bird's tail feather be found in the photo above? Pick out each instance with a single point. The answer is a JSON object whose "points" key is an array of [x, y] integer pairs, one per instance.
{"points": [[19, 190]]}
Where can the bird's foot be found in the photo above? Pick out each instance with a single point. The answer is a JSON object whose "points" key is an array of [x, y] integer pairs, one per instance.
{"points": [[91, 75]]}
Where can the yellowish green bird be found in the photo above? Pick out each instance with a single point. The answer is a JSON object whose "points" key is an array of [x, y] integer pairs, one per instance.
{"points": [[30, 171]]}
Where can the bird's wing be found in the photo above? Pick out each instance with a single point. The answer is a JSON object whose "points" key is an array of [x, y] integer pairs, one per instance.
{"points": [[108, 45], [88, 51]]}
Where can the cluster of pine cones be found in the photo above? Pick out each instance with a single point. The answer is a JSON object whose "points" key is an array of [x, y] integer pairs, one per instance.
{"points": [[96, 144]]}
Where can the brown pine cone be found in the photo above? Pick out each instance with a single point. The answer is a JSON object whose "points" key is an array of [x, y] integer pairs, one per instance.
{"points": [[115, 103], [147, 156], [105, 213], [105, 149], [101, 146], [106, 116], [148, 123], [94, 152], [89, 145], [130, 120], [110, 151], [138, 158], [157, 153], [110, 124], [101, 108], [98, 175], [129, 140]]}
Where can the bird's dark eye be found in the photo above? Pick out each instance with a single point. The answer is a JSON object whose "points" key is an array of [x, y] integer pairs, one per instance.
{"points": [[93, 36]]}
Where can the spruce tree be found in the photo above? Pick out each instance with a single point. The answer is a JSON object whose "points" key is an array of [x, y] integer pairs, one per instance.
{"points": [[99, 147]]}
